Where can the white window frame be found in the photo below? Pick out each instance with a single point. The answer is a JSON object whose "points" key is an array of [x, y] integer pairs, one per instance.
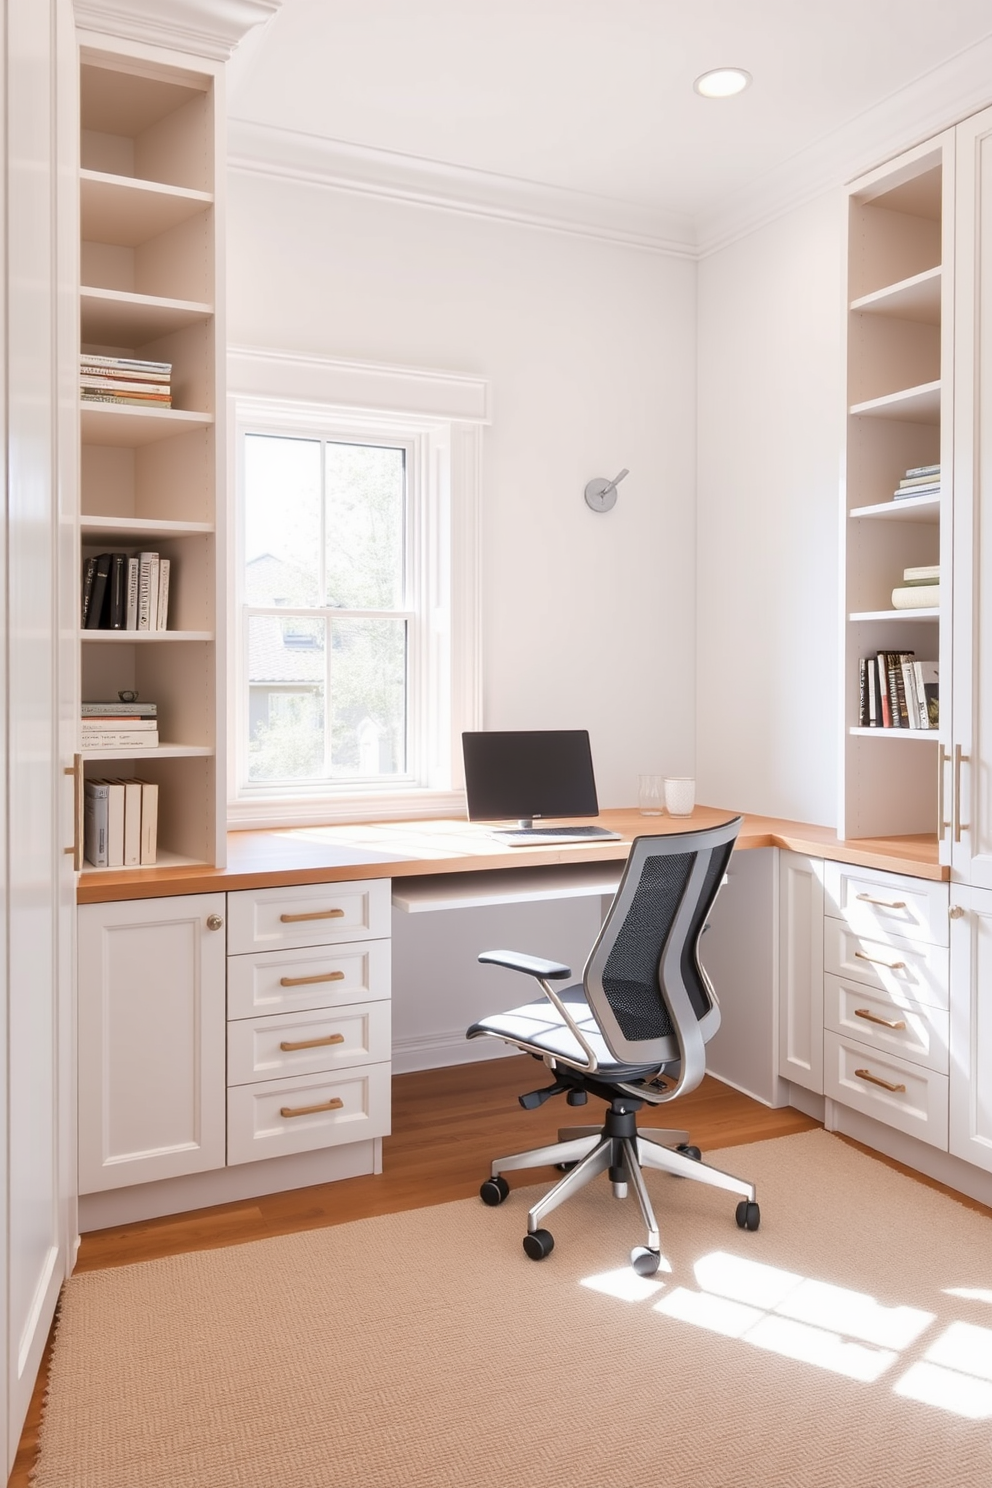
{"points": [[443, 446]]}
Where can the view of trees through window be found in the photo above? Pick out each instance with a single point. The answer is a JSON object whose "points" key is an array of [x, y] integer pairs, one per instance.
{"points": [[327, 632]]}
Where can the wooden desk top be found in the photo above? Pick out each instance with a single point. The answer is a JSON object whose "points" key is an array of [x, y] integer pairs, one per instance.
{"points": [[402, 849]]}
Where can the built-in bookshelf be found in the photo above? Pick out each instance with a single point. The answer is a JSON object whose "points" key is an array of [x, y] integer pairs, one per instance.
{"points": [[152, 471], [899, 478]]}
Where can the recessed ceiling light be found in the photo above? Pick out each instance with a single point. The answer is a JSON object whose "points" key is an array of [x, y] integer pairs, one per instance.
{"points": [[722, 82]]}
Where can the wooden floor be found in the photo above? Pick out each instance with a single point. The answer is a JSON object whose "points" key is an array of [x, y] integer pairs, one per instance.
{"points": [[448, 1125]]}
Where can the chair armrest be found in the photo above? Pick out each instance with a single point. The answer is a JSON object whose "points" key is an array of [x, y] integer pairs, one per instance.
{"points": [[534, 966]]}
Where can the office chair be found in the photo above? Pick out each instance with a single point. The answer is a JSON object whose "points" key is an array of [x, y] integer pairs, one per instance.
{"points": [[632, 1033]]}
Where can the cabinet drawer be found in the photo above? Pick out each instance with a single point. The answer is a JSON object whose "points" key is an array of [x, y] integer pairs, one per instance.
{"points": [[306, 1043], [279, 1117], [917, 1104], [908, 1029], [311, 914], [881, 905], [898, 968], [295, 981]]}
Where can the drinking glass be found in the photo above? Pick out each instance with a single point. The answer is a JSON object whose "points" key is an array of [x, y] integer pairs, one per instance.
{"points": [[650, 794]]}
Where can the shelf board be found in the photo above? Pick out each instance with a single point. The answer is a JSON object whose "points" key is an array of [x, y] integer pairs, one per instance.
{"points": [[144, 637], [932, 612], [161, 751], [163, 860], [114, 317], [911, 508], [128, 427], [126, 212], [916, 298], [126, 528], [896, 733], [915, 405]]}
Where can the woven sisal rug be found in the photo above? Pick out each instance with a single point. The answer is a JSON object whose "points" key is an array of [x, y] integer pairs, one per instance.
{"points": [[846, 1342]]}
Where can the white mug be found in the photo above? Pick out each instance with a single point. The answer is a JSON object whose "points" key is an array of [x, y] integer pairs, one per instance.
{"points": [[680, 794]]}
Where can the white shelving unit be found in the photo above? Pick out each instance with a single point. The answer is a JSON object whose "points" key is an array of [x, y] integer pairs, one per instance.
{"points": [[152, 478], [899, 396]]}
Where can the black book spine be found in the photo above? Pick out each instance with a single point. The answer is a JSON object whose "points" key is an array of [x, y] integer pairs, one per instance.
{"points": [[89, 572], [891, 669], [863, 693], [98, 599], [117, 607]]}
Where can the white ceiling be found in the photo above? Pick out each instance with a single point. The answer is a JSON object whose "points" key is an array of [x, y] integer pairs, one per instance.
{"points": [[595, 96]]}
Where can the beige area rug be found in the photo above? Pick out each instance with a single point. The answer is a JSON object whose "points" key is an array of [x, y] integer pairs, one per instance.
{"points": [[846, 1342]]}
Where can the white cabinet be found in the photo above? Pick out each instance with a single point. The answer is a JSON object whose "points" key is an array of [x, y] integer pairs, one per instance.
{"points": [[308, 1036], [801, 970], [151, 1039], [971, 1026]]}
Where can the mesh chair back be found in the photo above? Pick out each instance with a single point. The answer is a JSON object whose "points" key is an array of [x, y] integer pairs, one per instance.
{"points": [[650, 997]]}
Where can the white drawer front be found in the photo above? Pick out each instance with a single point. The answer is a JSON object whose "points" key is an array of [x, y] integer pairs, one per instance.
{"points": [[279, 1117], [898, 968], [881, 905], [306, 1043], [903, 1027], [309, 914], [295, 981], [917, 1103]]}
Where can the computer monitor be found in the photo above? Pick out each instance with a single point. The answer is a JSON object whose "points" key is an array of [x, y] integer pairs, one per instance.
{"points": [[521, 775]]}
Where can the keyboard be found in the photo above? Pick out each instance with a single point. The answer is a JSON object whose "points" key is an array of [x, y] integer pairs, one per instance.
{"points": [[535, 836]]}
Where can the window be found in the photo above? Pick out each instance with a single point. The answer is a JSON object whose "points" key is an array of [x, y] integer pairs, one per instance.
{"points": [[354, 654]]}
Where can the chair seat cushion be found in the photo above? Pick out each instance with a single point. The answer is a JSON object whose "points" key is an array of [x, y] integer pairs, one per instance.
{"points": [[539, 1028]]}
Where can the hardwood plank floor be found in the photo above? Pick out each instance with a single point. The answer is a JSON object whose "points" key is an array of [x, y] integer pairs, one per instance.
{"points": [[448, 1125]]}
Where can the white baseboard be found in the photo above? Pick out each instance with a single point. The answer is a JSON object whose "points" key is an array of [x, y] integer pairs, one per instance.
{"points": [[438, 1050], [964, 1177]]}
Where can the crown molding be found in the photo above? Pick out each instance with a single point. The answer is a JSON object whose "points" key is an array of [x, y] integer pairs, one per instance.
{"points": [[207, 28], [263, 149], [911, 116]]}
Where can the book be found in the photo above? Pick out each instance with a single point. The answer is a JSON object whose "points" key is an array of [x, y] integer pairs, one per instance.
{"points": [[912, 700], [149, 821], [91, 359], [121, 739], [884, 702], [928, 478], [162, 610], [108, 723], [863, 692], [929, 571], [874, 703], [89, 381], [918, 470], [132, 823], [162, 400], [115, 823], [98, 595], [89, 571], [95, 797], [930, 488], [916, 597], [117, 584], [148, 591], [97, 709], [897, 701], [131, 604], [928, 686]]}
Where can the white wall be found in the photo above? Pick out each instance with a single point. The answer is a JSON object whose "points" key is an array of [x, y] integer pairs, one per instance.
{"points": [[590, 350], [769, 459]]}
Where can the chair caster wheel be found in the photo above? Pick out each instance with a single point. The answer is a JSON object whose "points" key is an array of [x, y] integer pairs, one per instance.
{"points": [[748, 1215], [494, 1191], [644, 1261], [538, 1244], [687, 1150]]}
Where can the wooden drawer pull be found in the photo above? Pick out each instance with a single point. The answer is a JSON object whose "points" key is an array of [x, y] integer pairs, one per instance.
{"points": [[867, 1075], [315, 1043], [334, 1104], [874, 1018], [877, 961], [883, 903], [325, 976], [315, 914]]}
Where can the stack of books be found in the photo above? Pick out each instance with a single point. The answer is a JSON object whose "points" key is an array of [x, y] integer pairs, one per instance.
{"points": [[119, 725], [919, 590], [123, 591], [897, 691], [920, 480], [120, 823], [110, 379]]}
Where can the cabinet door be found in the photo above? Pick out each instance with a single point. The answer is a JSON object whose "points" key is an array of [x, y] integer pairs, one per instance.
{"points": [[967, 794], [801, 970], [971, 1027], [151, 1040]]}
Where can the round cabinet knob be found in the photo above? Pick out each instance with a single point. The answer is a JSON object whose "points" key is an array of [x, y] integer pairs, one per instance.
{"points": [[955, 912], [215, 922]]}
